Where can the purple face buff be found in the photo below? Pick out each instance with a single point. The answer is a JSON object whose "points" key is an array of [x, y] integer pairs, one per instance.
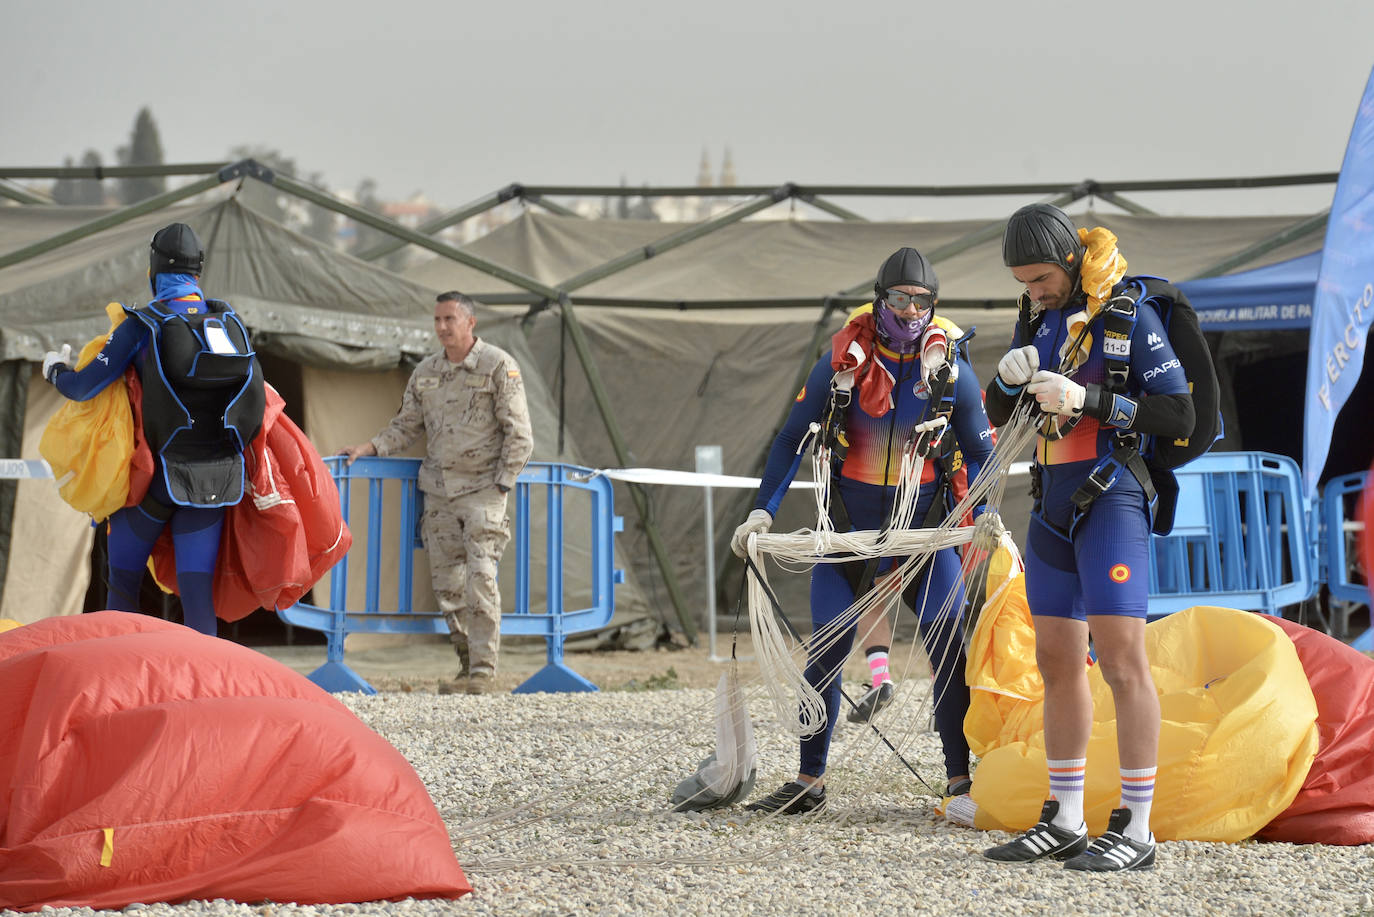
{"points": [[899, 334]]}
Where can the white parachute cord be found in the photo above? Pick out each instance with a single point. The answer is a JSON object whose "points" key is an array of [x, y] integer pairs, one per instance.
{"points": [[798, 707], [989, 489]]}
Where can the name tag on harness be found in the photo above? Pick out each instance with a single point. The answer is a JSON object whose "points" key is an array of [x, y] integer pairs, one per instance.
{"points": [[1116, 345]]}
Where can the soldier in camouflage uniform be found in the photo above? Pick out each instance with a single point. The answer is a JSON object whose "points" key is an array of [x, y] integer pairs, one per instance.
{"points": [[469, 401]]}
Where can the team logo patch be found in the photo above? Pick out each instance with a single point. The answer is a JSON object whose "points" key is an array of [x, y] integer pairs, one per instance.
{"points": [[801, 394], [1120, 573], [1154, 341], [921, 390]]}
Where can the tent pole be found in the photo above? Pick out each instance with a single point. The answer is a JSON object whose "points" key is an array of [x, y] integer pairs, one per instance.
{"points": [[112, 219], [622, 454], [14, 384], [550, 206], [1313, 224], [830, 207], [673, 240], [21, 194], [453, 217], [376, 221], [1124, 203]]}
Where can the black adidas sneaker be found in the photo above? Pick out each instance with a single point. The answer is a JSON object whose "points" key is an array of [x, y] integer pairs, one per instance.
{"points": [[1042, 840], [1114, 851]]}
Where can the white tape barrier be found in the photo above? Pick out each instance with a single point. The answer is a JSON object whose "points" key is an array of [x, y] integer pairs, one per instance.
{"points": [[685, 478], [22, 469], [694, 479]]}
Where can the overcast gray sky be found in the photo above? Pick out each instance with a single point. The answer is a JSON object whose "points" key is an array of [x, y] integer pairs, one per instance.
{"points": [[459, 98]]}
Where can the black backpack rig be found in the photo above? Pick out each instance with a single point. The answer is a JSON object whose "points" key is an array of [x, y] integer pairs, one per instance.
{"points": [[203, 399]]}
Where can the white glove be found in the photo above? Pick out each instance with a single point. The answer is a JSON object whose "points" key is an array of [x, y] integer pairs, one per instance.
{"points": [[759, 521], [988, 531], [1017, 367], [53, 358], [1057, 394]]}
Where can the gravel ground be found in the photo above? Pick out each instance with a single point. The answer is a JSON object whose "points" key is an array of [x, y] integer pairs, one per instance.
{"points": [[592, 775]]}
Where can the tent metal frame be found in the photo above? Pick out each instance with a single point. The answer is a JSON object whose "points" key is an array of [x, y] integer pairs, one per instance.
{"points": [[539, 295]]}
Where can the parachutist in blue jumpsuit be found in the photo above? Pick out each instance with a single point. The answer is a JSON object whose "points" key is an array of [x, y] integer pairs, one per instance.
{"points": [[203, 402], [1087, 571], [865, 483]]}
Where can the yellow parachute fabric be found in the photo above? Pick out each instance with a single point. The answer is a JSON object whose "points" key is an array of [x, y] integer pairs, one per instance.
{"points": [[89, 444], [8, 624], [1103, 268], [1239, 729]]}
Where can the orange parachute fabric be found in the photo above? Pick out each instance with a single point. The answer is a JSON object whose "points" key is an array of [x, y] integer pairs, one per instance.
{"points": [[141, 761], [285, 533]]}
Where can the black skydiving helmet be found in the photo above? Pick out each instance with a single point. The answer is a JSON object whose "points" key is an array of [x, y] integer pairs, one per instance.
{"points": [[1043, 234], [906, 266], [176, 250]]}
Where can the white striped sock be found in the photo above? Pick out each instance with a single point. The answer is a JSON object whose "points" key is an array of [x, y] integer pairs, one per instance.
{"points": [[1137, 794], [1066, 785]]}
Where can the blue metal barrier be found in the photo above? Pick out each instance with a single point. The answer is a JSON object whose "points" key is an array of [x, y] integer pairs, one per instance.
{"points": [[1240, 537], [1338, 497], [390, 488]]}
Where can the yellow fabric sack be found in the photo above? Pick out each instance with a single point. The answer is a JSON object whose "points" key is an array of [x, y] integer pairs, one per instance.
{"points": [[1006, 695], [1103, 267], [89, 444], [1238, 737]]}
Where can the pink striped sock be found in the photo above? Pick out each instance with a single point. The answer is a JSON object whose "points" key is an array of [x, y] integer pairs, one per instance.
{"points": [[877, 666]]}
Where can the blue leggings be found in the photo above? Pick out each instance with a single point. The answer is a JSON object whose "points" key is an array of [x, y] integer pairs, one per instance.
{"points": [[831, 594], [195, 537]]}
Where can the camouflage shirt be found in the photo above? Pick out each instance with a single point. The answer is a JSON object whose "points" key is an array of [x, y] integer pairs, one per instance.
{"points": [[474, 416]]}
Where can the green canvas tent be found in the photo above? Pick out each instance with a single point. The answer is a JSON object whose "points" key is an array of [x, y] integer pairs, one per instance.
{"points": [[338, 337]]}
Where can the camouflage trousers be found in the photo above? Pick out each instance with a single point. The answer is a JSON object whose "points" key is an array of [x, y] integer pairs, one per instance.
{"points": [[464, 537]]}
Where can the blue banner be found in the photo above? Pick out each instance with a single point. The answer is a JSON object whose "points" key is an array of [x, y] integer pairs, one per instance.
{"points": [[1343, 306]]}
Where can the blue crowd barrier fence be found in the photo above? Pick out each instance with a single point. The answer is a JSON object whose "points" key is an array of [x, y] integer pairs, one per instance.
{"points": [[1240, 537], [386, 545], [1338, 538]]}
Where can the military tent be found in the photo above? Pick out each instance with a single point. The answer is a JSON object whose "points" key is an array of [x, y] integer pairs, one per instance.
{"points": [[338, 337], [706, 343]]}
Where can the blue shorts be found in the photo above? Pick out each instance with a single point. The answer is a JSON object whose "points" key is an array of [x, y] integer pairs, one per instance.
{"points": [[1105, 570]]}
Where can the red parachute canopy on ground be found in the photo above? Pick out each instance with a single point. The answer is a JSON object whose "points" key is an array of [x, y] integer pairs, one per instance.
{"points": [[141, 761], [1336, 802]]}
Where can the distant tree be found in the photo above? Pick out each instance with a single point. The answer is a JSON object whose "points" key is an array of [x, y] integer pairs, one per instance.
{"points": [[64, 189], [366, 237], [90, 191], [144, 149], [80, 191], [322, 224]]}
